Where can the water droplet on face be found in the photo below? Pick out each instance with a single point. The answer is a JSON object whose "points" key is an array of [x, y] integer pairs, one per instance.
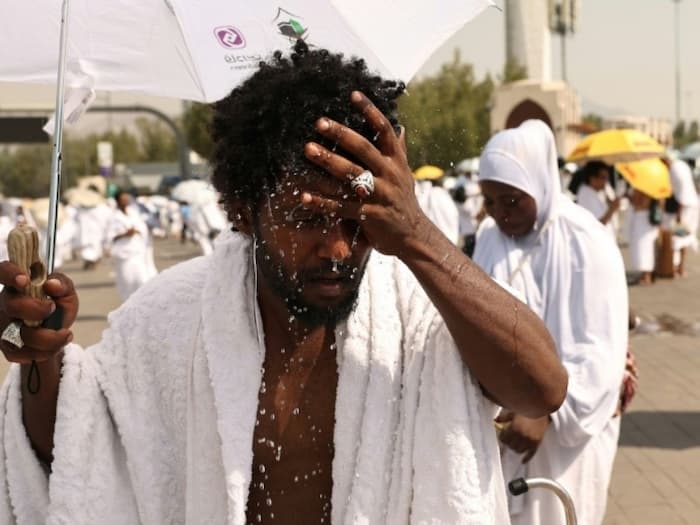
{"points": [[296, 411], [363, 217], [261, 468], [268, 502]]}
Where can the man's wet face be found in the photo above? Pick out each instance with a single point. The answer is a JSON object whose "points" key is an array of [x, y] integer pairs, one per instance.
{"points": [[313, 262]]}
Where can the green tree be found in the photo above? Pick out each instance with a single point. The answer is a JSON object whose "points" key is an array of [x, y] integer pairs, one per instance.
{"points": [[685, 133], [157, 141], [447, 115], [512, 72], [593, 120], [196, 122]]}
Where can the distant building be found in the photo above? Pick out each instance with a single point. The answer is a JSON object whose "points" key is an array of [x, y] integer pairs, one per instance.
{"points": [[529, 27], [659, 129]]}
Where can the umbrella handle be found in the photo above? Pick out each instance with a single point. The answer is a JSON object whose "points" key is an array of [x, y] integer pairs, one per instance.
{"points": [[23, 250]]}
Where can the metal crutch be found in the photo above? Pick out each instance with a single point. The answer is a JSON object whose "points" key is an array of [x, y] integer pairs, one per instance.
{"points": [[521, 486]]}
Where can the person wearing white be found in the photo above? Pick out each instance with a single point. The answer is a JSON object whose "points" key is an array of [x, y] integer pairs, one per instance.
{"points": [[437, 204], [128, 234], [6, 226], [642, 235], [92, 224], [593, 195], [688, 214], [559, 257], [468, 196], [206, 221]]}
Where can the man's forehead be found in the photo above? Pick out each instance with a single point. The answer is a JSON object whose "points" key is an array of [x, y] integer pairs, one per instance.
{"points": [[291, 185]]}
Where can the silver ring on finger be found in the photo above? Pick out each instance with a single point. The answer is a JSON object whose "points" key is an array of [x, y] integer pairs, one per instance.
{"points": [[363, 184], [12, 335]]}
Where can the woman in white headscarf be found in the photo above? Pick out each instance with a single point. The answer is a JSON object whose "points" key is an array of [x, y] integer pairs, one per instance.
{"points": [[567, 268]]}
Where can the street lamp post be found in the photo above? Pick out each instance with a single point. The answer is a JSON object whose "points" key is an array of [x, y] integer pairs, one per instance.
{"points": [[677, 58]]}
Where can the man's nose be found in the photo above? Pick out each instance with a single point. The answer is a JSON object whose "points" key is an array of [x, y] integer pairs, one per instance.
{"points": [[336, 243]]}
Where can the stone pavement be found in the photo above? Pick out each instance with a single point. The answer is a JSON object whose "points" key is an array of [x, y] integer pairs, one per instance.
{"points": [[655, 479]]}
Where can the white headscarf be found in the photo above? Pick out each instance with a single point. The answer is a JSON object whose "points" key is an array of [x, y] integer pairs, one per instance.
{"points": [[572, 275]]}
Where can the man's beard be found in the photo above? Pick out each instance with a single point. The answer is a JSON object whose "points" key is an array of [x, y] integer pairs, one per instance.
{"points": [[290, 288]]}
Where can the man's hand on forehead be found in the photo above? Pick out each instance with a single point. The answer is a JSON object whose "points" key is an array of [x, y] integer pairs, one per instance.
{"points": [[389, 215]]}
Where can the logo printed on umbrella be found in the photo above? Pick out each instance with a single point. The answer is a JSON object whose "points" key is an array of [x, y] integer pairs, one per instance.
{"points": [[229, 37], [290, 25]]}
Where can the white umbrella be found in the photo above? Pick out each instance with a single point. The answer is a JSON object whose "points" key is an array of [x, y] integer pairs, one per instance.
{"points": [[194, 191], [201, 50]]}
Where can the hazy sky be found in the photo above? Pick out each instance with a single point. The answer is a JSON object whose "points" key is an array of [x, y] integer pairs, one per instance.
{"points": [[621, 58]]}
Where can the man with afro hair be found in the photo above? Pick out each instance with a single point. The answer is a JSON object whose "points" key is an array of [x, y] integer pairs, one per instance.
{"points": [[335, 360]]}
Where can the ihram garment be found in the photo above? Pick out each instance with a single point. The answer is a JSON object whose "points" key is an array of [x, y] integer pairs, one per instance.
{"points": [[571, 273], [132, 267], [155, 423]]}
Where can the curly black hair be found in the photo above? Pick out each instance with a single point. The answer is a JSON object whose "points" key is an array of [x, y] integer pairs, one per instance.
{"points": [[260, 128]]}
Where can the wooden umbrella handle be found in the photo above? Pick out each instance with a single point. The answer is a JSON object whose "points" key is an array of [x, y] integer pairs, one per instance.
{"points": [[23, 250]]}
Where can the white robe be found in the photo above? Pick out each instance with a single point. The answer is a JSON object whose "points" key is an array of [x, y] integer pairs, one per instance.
{"points": [[438, 205], [155, 423], [571, 273], [595, 202], [92, 228], [686, 194], [131, 260], [642, 236]]}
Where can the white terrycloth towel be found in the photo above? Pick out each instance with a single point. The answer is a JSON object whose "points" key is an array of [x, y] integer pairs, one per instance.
{"points": [[155, 423]]}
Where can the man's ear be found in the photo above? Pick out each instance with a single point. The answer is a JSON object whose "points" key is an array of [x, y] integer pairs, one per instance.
{"points": [[241, 215]]}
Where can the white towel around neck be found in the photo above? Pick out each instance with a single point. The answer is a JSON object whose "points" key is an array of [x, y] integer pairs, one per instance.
{"points": [[155, 423]]}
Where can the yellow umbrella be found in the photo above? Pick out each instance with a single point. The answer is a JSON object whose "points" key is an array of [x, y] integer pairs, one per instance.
{"points": [[428, 172], [616, 145], [649, 176]]}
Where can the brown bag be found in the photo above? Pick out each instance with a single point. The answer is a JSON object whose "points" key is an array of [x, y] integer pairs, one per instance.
{"points": [[664, 254]]}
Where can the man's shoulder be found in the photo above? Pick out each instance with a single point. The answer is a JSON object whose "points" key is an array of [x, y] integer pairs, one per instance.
{"points": [[177, 287]]}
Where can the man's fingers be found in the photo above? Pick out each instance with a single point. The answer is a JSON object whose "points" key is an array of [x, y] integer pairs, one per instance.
{"points": [[62, 290], [11, 275], [337, 165], [40, 344], [18, 306], [347, 209], [58, 285], [351, 142], [386, 137]]}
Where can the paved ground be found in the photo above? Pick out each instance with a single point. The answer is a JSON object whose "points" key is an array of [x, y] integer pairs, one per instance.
{"points": [[655, 480]]}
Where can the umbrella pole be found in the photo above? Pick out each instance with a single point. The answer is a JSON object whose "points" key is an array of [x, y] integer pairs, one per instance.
{"points": [[57, 150]]}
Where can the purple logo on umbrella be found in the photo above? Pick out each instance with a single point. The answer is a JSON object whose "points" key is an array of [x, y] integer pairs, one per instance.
{"points": [[229, 37]]}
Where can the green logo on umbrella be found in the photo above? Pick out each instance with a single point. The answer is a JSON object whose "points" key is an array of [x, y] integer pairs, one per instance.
{"points": [[289, 25]]}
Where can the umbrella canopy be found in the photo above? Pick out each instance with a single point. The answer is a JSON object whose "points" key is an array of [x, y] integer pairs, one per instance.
{"points": [[201, 50], [194, 191], [650, 176], [84, 197], [428, 172], [616, 145]]}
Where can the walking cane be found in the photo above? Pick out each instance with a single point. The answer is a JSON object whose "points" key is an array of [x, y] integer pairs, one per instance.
{"points": [[521, 486]]}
